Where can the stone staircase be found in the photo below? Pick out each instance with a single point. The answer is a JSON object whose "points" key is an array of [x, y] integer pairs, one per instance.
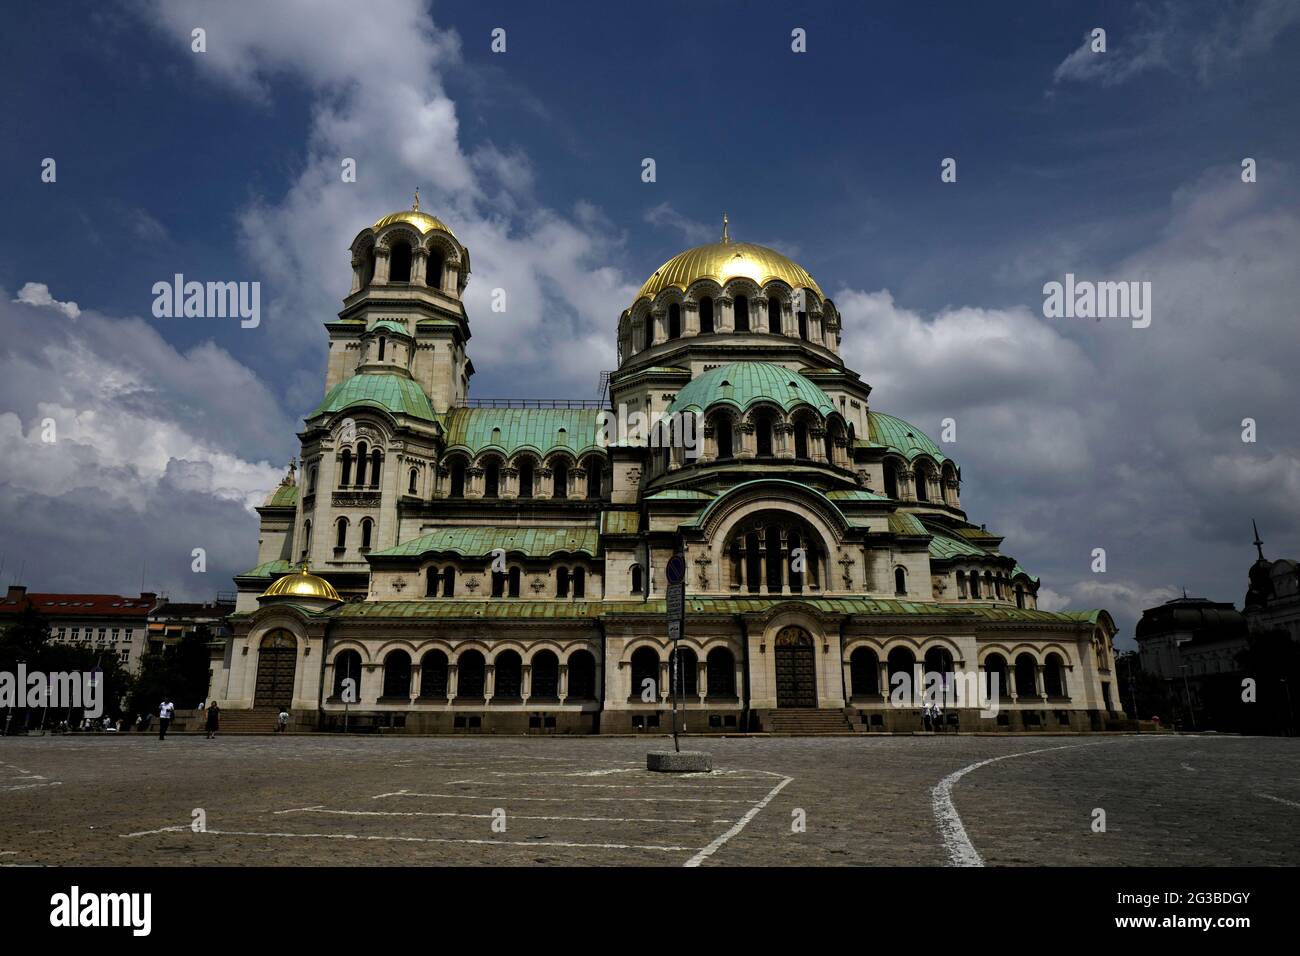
{"points": [[257, 721], [805, 722]]}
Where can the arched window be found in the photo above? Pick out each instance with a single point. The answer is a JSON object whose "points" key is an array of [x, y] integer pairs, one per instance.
{"points": [[579, 583], [513, 582], [1020, 596], [306, 538], [648, 322], [1026, 676], [361, 463], [891, 480], [582, 676], [431, 578], [722, 435], [864, 671], [525, 477], [399, 262], [684, 672], [509, 676], [375, 458], [471, 673], [645, 667], [457, 479], [347, 666], [922, 483], [345, 474], [995, 669], [720, 674], [938, 660], [498, 583], [975, 585], [763, 435], [636, 579], [706, 315], [448, 582], [593, 478], [546, 677], [433, 675], [382, 342], [433, 271], [311, 480], [367, 526], [961, 584], [413, 486], [561, 582], [341, 535], [801, 440], [740, 309], [674, 321], [397, 675], [988, 585], [774, 316], [491, 478], [803, 326], [1054, 676], [901, 661], [560, 474], [900, 581]]}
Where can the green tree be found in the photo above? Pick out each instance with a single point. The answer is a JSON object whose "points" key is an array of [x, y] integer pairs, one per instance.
{"points": [[180, 672]]}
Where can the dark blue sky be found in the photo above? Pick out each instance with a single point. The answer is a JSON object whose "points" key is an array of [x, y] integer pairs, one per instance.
{"points": [[1073, 435]]}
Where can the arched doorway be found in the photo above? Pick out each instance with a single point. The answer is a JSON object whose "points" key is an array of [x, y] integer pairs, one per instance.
{"points": [[277, 660], [796, 668]]}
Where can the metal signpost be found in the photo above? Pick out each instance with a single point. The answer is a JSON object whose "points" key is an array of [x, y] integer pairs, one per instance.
{"points": [[676, 577]]}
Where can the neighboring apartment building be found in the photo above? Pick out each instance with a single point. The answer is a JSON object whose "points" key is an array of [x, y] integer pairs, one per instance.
{"points": [[170, 621], [112, 623]]}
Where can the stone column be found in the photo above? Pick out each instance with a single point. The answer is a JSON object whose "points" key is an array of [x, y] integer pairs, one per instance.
{"points": [[690, 318], [415, 683], [701, 679], [509, 482], [419, 265], [489, 682], [474, 482], [665, 687], [526, 683], [660, 319], [884, 681], [747, 447], [564, 683], [381, 266], [724, 317], [358, 271], [453, 681]]}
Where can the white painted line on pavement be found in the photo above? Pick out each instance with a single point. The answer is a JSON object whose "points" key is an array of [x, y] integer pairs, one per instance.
{"points": [[713, 847], [1269, 796]]}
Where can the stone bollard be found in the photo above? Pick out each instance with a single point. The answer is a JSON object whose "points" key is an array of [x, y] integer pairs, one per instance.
{"points": [[688, 761]]}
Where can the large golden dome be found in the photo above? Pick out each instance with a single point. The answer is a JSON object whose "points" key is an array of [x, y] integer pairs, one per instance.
{"points": [[302, 583], [726, 260]]}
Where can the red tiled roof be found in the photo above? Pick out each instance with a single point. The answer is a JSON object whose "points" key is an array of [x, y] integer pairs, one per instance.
{"points": [[79, 605]]}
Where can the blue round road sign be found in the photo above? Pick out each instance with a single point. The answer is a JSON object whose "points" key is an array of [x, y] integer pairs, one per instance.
{"points": [[676, 570]]}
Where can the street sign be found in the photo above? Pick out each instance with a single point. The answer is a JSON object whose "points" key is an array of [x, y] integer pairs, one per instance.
{"points": [[674, 629], [676, 602], [676, 570]]}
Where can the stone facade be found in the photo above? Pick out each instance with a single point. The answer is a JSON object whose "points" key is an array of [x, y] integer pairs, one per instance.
{"points": [[480, 566]]}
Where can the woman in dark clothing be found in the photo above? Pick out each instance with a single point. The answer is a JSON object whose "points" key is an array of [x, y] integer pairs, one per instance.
{"points": [[214, 717]]}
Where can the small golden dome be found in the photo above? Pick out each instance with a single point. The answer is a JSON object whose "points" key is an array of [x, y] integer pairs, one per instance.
{"points": [[302, 583], [726, 260], [420, 220]]}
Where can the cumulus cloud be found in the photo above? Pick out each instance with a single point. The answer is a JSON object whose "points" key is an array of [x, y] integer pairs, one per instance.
{"points": [[117, 449], [380, 99], [38, 293]]}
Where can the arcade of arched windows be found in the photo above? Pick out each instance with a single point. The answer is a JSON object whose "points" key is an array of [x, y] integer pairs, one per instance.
{"points": [[524, 475], [741, 307], [435, 671], [359, 465], [1026, 675], [768, 432], [399, 256], [775, 553], [706, 676], [922, 480], [993, 585]]}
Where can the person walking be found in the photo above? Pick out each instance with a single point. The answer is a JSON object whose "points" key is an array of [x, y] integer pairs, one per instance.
{"points": [[214, 717], [165, 711], [926, 717], [283, 724], [937, 717]]}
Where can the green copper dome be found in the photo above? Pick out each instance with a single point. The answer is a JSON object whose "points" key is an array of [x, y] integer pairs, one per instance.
{"points": [[743, 384], [902, 437], [396, 394]]}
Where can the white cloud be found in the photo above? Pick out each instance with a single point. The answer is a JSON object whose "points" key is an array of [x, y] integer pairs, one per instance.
{"points": [[38, 293]]}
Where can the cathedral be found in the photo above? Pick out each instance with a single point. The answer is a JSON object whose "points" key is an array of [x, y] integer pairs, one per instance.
{"points": [[442, 564]]}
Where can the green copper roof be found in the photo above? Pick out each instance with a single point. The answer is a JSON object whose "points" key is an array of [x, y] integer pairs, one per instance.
{"points": [[1018, 570], [286, 496], [742, 384], [854, 494], [901, 437], [508, 430], [778, 485], [680, 494], [272, 569], [478, 542], [620, 522], [390, 324], [945, 547], [904, 522], [393, 393]]}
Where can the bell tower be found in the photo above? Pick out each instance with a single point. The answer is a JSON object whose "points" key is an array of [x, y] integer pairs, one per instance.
{"points": [[404, 313]]}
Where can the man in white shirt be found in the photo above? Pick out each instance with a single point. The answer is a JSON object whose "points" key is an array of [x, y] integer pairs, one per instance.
{"points": [[165, 711]]}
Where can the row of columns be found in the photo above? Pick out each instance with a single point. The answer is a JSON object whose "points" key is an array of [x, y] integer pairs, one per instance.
{"points": [[938, 488], [724, 321], [813, 574], [508, 482], [1007, 689], [372, 682], [447, 282]]}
